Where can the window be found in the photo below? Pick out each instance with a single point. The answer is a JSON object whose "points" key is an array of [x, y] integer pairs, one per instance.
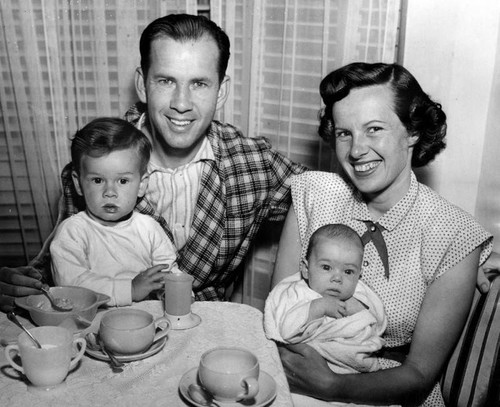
{"points": [[281, 51], [65, 63], [62, 64]]}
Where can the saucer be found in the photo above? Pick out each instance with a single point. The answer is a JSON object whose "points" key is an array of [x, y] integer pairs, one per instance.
{"points": [[152, 350], [183, 321], [267, 391]]}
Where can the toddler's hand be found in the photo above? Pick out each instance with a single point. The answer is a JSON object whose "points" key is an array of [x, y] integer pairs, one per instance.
{"points": [[147, 281]]}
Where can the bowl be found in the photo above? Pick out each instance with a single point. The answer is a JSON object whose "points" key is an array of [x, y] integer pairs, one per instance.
{"points": [[85, 304]]}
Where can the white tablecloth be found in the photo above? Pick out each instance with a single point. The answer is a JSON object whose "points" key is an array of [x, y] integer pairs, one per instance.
{"points": [[153, 381]]}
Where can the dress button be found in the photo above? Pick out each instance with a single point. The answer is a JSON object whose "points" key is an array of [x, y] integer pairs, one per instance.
{"points": [[373, 228], [366, 263]]}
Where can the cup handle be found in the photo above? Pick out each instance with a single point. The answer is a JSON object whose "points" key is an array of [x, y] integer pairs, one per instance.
{"points": [[83, 345], [164, 331], [8, 349], [252, 388]]}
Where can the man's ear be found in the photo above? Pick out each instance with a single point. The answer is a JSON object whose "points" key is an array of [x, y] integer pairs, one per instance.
{"points": [[304, 268], [76, 182], [143, 186], [140, 85], [223, 92]]}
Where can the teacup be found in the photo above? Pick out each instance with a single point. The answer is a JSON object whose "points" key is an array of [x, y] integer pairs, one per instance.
{"points": [[230, 374], [129, 331], [46, 367]]}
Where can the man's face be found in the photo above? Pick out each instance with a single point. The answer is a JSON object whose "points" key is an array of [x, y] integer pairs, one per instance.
{"points": [[182, 92]]}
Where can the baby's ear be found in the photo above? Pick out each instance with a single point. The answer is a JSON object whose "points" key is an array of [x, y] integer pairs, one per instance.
{"points": [[76, 182], [304, 268]]}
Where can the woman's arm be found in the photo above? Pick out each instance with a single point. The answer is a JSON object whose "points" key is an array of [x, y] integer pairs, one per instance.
{"points": [[439, 325], [289, 250]]}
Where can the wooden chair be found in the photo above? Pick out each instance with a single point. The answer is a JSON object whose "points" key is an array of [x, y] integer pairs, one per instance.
{"points": [[472, 375]]}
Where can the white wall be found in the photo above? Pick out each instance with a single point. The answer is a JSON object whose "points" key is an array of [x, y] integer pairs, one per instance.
{"points": [[451, 46]]}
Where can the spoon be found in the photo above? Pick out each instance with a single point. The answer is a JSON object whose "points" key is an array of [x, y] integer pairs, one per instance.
{"points": [[201, 396], [59, 304], [116, 365], [14, 319]]}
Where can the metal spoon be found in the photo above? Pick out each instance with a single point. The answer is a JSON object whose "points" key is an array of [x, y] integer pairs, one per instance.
{"points": [[59, 304], [95, 343], [116, 365], [14, 319], [201, 396]]}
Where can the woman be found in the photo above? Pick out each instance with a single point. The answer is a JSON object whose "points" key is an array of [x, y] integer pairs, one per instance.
{"points": [[421, 253]]}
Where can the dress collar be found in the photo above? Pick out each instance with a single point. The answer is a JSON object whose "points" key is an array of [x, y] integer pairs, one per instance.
{"points": [[393, 216]]}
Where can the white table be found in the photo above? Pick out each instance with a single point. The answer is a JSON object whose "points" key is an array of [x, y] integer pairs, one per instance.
{"points": [[153, 381]]}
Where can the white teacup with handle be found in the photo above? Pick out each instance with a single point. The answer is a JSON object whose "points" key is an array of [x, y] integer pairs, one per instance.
{"points": [[229, 374], [128, 331], [47, 367]]}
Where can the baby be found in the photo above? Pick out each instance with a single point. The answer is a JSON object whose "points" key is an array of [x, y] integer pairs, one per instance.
{"points": [[329, 308], [109, 248]]}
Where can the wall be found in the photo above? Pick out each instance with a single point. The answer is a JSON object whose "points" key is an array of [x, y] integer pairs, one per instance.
{"points": [[451, 47]]}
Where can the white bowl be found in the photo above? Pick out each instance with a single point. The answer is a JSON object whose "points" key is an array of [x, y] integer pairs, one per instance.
{"points": [[85, 304]]}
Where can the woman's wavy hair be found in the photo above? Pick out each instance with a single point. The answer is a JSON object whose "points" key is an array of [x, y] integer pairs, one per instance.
{"points": [[419, 114]]}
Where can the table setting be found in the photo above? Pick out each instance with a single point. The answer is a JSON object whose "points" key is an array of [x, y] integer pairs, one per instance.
{"points": [[165, 352]]}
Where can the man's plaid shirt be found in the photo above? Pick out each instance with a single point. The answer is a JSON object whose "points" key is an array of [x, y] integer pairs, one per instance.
{"points": [[246, 184]]}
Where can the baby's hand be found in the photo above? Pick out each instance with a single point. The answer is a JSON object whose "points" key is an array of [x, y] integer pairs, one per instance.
{"points": [[147, 281], [352, 306], [326, 306], [334, 307]]}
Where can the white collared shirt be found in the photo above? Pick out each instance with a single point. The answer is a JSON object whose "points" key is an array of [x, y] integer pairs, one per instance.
{"points": [[174, 191]]}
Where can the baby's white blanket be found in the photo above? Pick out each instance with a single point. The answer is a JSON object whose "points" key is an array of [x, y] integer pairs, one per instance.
{"points": [[346, 343]]}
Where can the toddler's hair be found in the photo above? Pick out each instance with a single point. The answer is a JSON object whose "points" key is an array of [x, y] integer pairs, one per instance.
{"points": [[106, 134]]}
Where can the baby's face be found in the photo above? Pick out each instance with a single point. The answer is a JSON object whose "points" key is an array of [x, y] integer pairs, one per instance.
{"points": [[110, 185], [334, 267]]}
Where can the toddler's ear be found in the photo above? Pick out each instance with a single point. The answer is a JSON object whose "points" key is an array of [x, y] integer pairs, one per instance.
{"points": [[143, 186], [76, 182]]}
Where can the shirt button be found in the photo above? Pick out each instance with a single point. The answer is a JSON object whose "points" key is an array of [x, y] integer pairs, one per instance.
{"points": [[366, 263], [373, 228]]}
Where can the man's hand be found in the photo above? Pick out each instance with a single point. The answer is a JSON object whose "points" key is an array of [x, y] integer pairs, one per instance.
{"points": [[17, 282]]}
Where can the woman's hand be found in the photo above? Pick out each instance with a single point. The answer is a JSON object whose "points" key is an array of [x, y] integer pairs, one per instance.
{"points": [[491, 265], [17, 282], [306, 370]]}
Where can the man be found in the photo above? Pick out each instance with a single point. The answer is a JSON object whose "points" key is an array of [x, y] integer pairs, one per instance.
{"points": [[210, 188]]}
